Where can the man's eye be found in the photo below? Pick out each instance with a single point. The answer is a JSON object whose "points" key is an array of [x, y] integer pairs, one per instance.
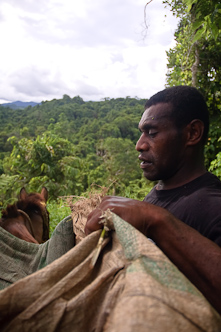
{"points": [[152, 133]]}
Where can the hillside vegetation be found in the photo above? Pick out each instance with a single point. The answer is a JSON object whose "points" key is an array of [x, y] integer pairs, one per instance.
{"points": [[68, 145]]}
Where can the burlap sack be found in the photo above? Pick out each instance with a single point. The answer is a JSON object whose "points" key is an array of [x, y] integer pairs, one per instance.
{"points": [[132, 287], [20, 258]]}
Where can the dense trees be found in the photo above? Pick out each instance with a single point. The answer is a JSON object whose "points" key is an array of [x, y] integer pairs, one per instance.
{"points": [[196, 58], [67, 145]]}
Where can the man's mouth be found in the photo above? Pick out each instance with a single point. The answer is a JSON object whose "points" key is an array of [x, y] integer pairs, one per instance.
{"points": [[145, 163]]}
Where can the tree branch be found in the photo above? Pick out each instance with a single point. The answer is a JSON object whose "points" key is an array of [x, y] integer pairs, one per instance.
{"points": [[145, 16]]}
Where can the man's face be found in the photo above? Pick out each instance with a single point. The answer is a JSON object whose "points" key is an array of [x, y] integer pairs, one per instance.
{"points": [[161, 145]]}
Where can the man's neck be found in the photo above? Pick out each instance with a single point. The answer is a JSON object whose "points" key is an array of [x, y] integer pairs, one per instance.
{"points": [[179, 181]]}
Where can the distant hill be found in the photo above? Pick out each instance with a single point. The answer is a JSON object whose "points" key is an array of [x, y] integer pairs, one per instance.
{"points": [[19, 104]]}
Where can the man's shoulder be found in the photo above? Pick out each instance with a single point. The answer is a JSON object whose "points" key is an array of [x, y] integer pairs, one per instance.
{"points": [[197, 203], [207, 187], [203, 193], [206, 183], [209, 180]]}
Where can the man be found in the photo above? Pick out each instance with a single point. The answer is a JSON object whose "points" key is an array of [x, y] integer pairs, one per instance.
{"points": [[182, 213]]}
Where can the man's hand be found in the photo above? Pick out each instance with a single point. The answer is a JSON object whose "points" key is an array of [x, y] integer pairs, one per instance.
{"points": [[139, 214]]}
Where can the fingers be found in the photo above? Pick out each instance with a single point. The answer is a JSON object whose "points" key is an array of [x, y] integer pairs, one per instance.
{"points": [[141, 215], [93, 220]]}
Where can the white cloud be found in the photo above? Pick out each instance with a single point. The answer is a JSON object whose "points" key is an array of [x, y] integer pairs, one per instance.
{"points": [[93, 49]]}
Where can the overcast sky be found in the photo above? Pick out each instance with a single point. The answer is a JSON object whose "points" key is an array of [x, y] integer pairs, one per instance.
{"points": [[94, 49]]}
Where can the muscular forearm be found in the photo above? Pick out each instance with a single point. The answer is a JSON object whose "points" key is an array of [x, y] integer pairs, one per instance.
{"points": [[194, 255]]}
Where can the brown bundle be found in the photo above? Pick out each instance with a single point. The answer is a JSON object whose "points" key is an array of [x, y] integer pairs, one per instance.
{"points": [[81, 207]]}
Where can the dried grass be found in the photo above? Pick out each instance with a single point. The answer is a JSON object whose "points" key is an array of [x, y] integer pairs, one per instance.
{"points": [[82, 206]]}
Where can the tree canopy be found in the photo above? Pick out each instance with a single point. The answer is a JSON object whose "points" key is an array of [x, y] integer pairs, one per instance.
{"points": [[67, 145]]}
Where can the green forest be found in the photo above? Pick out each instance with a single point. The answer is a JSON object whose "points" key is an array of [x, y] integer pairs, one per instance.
{"points": [[71, 146], [68, 144]]}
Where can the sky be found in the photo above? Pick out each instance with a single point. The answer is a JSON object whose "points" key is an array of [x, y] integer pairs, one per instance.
{"points": [[92, 49]]}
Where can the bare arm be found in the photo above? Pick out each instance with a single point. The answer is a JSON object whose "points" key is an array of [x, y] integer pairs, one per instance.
{"points": [[198, 258]]}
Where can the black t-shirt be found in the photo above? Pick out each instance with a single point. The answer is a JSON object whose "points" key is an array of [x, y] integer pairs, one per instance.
{"points": [[197, 204]]}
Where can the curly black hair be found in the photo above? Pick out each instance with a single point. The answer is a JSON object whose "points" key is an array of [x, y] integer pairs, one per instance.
{"points": [[187, 104]]}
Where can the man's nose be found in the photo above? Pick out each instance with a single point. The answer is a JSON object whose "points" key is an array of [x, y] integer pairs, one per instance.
{"points": [[142, 144]]}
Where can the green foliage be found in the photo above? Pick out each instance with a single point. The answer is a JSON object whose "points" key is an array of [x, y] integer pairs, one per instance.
{"points": [[119, 161], [196, 57], [10, 188], [46, 161], [204, 16], [138, 189], [213, 144], [58, 144], [215, 165], [207, 16], [58, 210]]}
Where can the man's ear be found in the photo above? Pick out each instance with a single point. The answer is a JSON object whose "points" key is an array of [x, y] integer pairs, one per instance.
{"points": [[195, 131]]}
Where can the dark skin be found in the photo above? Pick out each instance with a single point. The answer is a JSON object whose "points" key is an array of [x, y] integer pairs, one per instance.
{"points": [[173, 157]]}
